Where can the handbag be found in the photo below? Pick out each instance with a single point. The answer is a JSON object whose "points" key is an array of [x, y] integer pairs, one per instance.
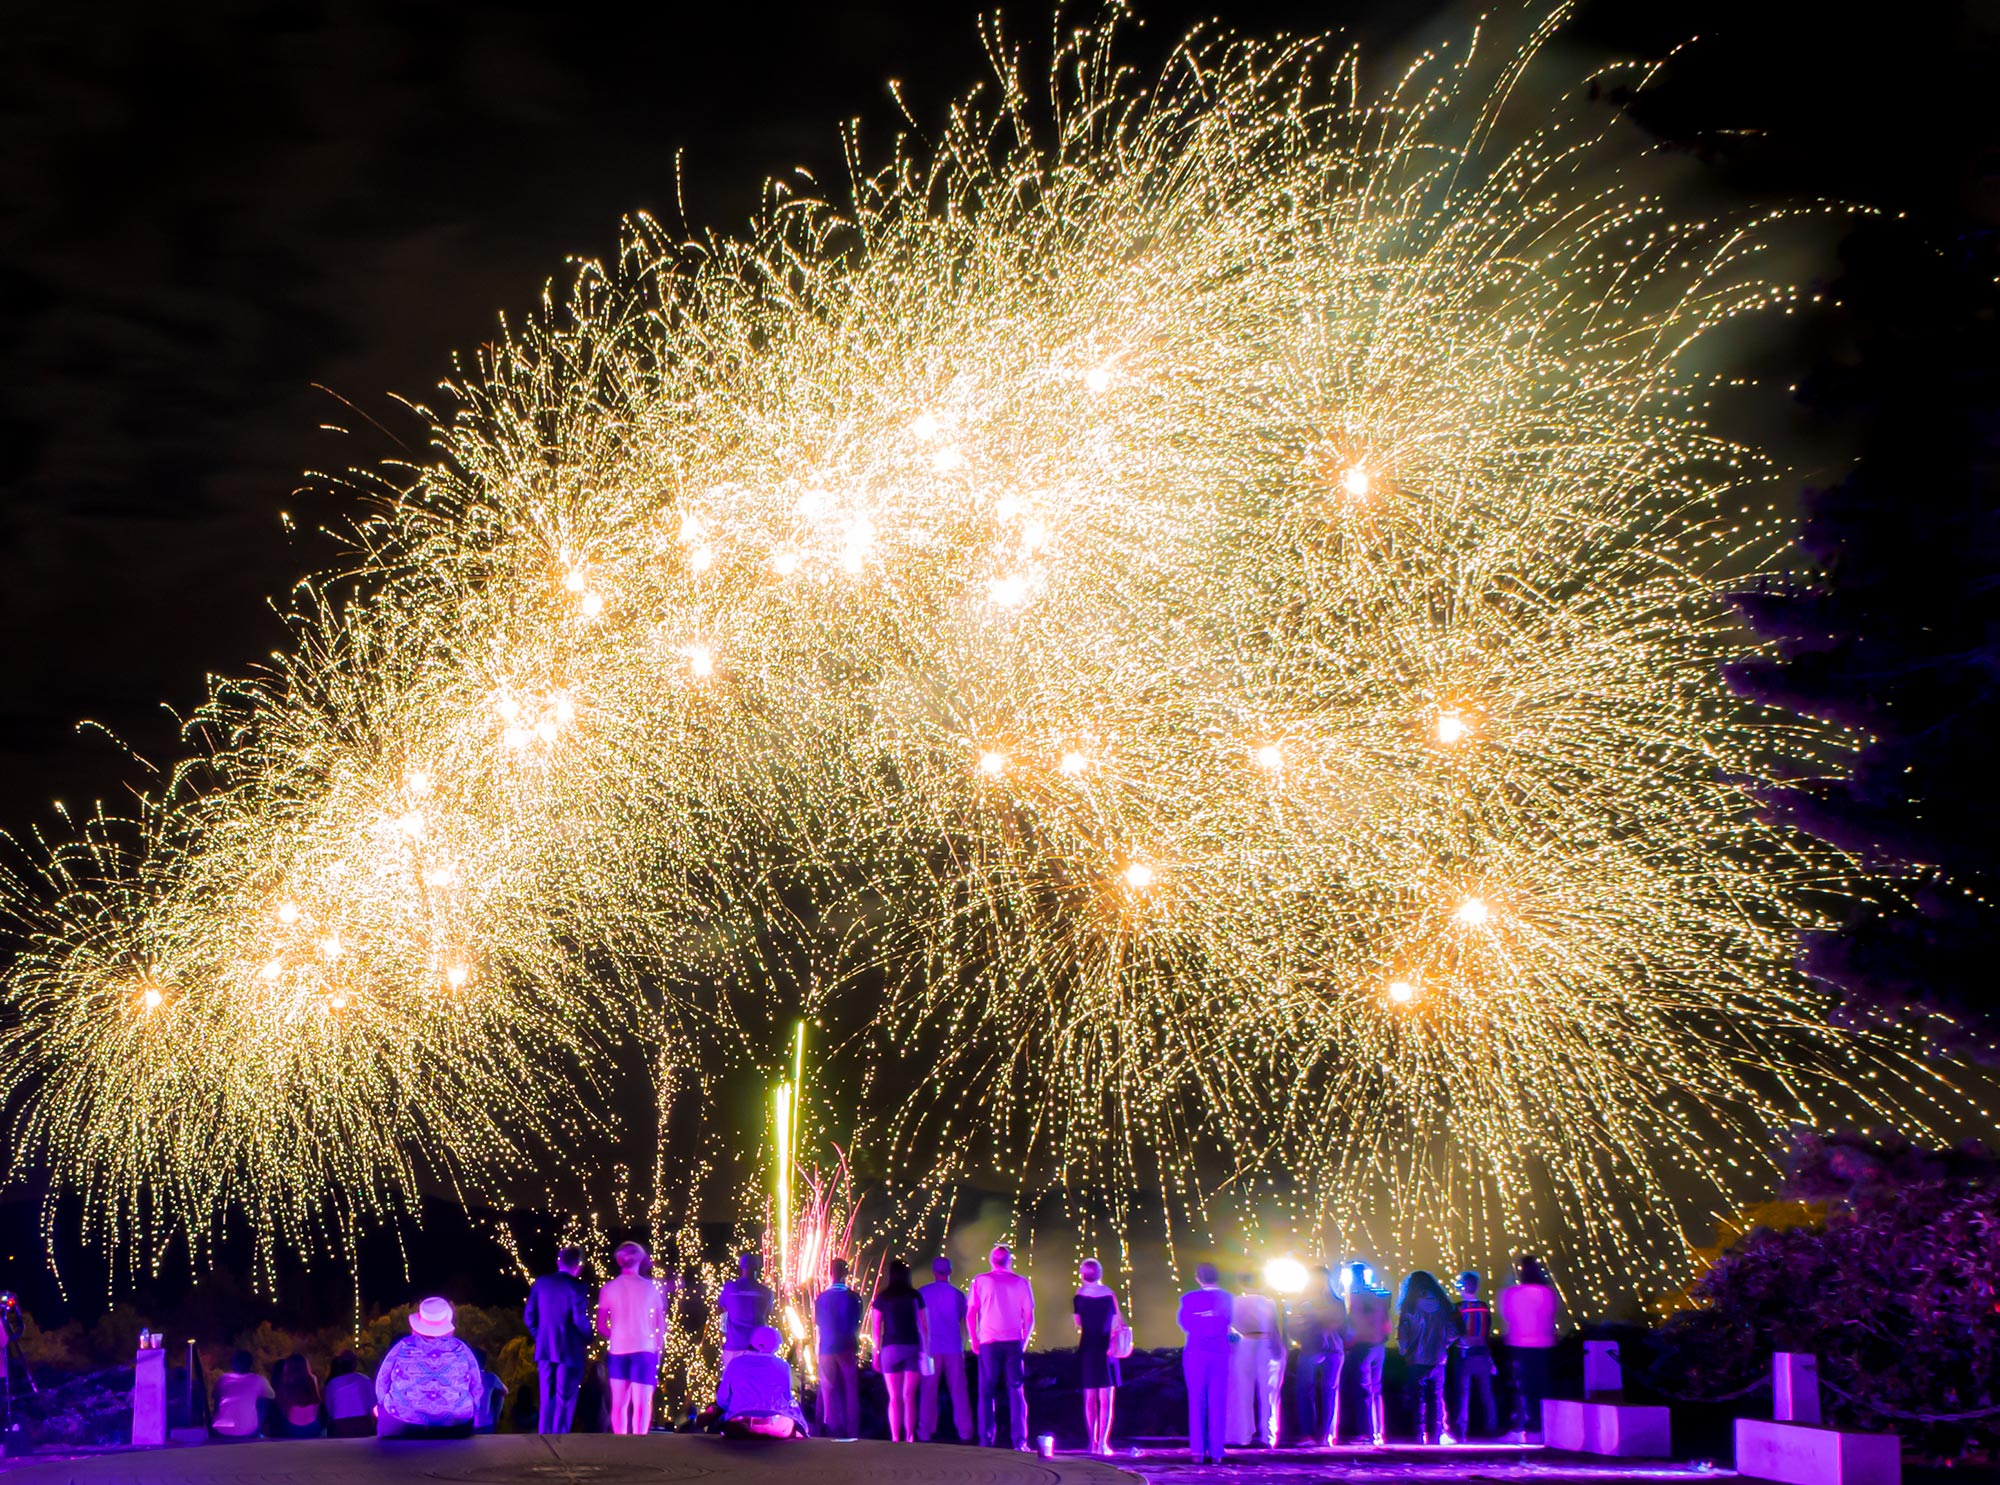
{"points": [[1121, 1340], [927, 1365]]}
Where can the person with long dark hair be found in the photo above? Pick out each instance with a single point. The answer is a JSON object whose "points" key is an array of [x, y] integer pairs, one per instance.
{"points": [[898, 1347], [296, 1411], [1426, 1329]]}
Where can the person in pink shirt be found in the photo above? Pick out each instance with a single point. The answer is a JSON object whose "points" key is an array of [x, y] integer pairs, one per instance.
{"points": [[1001, 1317], [632, 1317], [1528, 1325]]}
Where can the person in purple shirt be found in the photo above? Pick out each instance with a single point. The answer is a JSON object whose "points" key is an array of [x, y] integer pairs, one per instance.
{"points": [[1206, 1318], [755, 1393], [558, 1316], [837, 1317], [745, 1303], [428, 1386], [943, 1321]]}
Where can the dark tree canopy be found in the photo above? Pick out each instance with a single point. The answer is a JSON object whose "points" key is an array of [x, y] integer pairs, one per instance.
{"points": [[1894, 1293], [1896, 634]]}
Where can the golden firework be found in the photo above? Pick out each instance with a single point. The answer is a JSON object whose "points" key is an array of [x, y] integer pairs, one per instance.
{"points": [[1189, 615]]}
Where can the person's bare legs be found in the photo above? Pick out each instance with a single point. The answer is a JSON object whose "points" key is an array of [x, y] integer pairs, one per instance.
{"points": [[620, 1400], [1106, 1407], [903, 1407], [642, 1409]]}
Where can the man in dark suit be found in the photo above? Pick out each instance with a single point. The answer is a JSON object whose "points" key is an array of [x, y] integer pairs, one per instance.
{"points": [[558, 1316]]}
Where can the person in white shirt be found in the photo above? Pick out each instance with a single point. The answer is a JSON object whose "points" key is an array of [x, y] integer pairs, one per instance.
{"points": [[1256, 1369], [632, 1318], [1001, 1317], [240, 1396]]}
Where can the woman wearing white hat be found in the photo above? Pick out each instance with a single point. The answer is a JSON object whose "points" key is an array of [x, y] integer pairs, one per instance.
{"points": [[428, 1386]]}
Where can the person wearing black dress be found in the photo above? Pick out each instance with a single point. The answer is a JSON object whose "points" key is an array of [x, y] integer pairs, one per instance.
{"points": [[1097, 1319], [898, 1351]]}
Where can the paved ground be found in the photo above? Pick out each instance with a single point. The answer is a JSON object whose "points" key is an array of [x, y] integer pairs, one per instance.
{"points": [[579, 1459], [595, 1459]]}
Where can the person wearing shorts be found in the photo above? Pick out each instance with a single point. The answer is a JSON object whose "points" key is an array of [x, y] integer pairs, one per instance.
{"points": [[632, 1318], [898, 1348]]}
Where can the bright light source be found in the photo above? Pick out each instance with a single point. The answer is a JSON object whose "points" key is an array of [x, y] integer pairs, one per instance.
{"points": [[1034, 536], [785, 563], [691, 527], [288, 912], [1451, 728], [1473, 912], [1356, 482], [1402, 992], [1285, 1275], [565, 710], [456, 976], [411, 823], [591, 605], [507, 708], [1008, 592], [575, 581], [516, 737], [272, 970], [948, 458], [701, 559], [1139, 876], [1271, 756], [151, 998], [338, 1000], [1073, 765], [329, 947], [1008, 508], [701, 661], [925, 426], [419, 784], [1096, 379], [546, 731], [438, 876], [992, 764]]}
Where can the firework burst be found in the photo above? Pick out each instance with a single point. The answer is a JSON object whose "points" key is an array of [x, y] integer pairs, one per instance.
{"points": [[1181, 623]]}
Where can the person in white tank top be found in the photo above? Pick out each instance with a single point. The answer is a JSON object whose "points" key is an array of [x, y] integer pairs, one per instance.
{"points": [[632, 1318]]}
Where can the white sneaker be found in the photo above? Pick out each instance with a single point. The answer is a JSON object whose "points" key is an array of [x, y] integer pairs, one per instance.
{"points": [[1446, 1440]]}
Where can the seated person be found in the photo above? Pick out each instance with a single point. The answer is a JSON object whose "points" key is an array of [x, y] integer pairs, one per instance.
{"points": [[755, 1394], [295, 1411], [242, 1397], [350, 1400], [492, 1396], [428, 1385]]}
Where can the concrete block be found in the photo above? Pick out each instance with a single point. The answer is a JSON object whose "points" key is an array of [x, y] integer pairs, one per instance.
{"points": [[1795, 1387], [1800, 1455], [1603, 1376], [1620, 1429]]}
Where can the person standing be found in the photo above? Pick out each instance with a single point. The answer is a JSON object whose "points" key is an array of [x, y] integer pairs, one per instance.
{"points": [[899, 1347], [745, 1303], [428, 1384], [1475, 1363], [1207, 1317], [1319, 1325], [1368, 1345], [1256, 1369], [837, 1318], [632, 1318], [1001, 1317], [558, 1317], [943, 1321], [1528, 1320], [1426, 1331], [1097, 1321]]}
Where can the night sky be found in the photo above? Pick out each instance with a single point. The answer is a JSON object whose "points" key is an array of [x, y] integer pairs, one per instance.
{"points": [[208, 213], [225, 226]]}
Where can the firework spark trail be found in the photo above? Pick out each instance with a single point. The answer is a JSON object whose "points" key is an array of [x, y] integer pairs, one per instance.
{"points": [[1204, 605]]}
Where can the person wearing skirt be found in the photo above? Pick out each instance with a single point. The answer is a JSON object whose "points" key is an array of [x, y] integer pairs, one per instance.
{"points": [[1097, 1319]]}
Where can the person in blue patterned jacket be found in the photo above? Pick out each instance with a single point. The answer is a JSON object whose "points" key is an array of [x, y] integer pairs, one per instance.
{"points": [[428, 1386]]}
